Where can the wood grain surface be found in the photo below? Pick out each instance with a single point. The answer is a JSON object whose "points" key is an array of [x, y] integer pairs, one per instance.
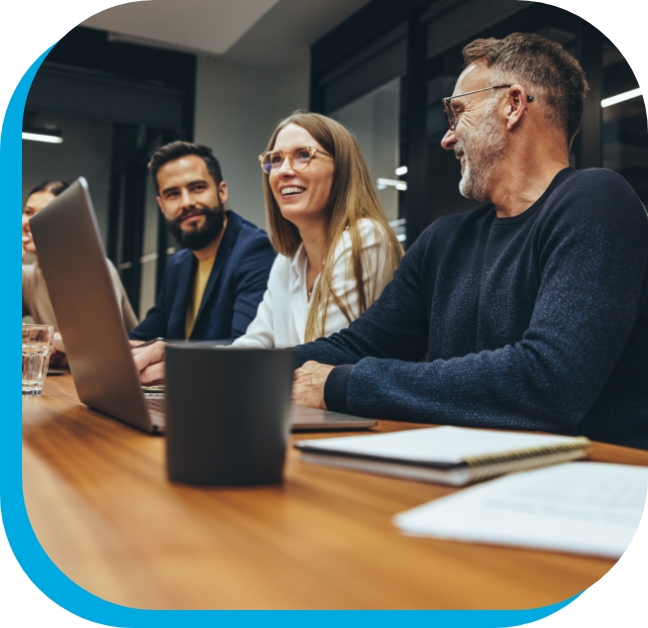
{"points": [[100, 504]]}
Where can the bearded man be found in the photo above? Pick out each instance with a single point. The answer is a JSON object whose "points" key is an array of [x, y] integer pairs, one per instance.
{"points": [[533, 308], [211, 288]]}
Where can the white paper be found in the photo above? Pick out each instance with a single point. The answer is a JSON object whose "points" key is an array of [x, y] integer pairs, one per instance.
{"points": [[445, 445], [580, 507]]}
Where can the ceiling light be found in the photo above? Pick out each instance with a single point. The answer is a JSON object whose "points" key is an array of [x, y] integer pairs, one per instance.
{"points": [[613, 100], [49, 138], [384, 183], [401, 171]]}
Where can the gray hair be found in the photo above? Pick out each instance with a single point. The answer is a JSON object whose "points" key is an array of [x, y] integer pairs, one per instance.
{"points": [[543, 67]]}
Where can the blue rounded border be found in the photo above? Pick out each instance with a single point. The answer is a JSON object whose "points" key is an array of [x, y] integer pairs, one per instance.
{"points": [[30, 554]]}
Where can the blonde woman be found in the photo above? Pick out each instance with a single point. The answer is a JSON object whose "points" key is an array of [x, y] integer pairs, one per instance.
{"points": [[337, 251]]}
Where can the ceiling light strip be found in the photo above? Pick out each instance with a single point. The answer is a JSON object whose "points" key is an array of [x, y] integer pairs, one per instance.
{"points": [[41, 137], [613, 100], [383, 183]]}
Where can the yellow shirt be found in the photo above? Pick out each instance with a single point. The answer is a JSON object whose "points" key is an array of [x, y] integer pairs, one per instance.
{"points": [[200, 283]]}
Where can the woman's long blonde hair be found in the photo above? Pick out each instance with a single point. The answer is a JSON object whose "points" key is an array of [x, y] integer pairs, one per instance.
{"points": [[352, 198]]}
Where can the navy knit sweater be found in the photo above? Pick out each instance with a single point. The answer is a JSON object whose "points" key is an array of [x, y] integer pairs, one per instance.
{"points": [[536, 322]]}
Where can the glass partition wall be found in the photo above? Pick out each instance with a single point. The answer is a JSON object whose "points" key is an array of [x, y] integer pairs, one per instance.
{"points": [[375, 120], [383, 73], [625, 134], [109, 105]]}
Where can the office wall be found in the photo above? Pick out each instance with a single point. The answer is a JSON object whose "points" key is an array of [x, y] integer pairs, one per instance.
{"points": [[86, 151], [237, 108]]}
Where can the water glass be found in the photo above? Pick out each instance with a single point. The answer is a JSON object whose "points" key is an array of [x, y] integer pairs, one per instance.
{"points": [[36, 349]]}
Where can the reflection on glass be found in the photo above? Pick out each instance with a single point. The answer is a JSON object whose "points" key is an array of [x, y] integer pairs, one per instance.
{"points": [[374, 120], [86, 151], [625, 136]]}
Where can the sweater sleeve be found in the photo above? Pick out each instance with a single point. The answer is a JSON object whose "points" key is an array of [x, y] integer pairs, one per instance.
{"points": [[26, 291], [593, 263]]}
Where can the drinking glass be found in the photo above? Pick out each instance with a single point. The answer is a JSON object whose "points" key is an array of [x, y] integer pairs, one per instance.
{"points": [[36, 349]]}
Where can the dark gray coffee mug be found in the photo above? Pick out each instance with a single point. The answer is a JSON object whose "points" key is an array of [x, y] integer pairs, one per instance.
{"points": [[228, 414]]}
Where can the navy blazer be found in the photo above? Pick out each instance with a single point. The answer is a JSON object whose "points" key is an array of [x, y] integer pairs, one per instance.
{"points": [[234, 290]]}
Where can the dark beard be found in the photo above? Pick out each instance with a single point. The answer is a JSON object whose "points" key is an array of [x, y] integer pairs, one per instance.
{"points": [[199, 238]]}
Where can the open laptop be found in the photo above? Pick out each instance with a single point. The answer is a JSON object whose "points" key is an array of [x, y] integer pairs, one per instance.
{"points": [[73, 262]]}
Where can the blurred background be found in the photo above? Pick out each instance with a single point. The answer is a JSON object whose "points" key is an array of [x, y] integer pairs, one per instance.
{"points": [[224, 72]]}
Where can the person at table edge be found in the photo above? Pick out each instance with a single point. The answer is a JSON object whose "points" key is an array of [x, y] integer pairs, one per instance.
{"points": [[533, 308], [211, 288]]}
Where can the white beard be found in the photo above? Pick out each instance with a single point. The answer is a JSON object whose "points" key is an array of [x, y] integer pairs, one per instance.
{"points": [[465, 185], [484, 149]]}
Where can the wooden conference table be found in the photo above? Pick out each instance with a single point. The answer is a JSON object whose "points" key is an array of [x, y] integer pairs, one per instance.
{"points": [[100, 503]]}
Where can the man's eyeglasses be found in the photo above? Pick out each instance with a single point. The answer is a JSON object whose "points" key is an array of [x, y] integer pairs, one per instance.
{"points": [[450, 115], [299, 158]]}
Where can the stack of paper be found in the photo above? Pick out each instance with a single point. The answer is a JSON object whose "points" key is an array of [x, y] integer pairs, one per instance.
{"points": [[581, 507]]}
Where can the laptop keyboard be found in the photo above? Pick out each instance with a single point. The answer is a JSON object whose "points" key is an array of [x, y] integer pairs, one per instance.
{"points": [[156, 404]]}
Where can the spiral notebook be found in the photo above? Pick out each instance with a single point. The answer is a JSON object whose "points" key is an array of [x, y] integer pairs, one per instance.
{"points": [[446, 455]]}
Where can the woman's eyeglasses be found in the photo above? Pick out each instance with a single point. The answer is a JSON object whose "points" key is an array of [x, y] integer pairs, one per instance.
{"points": [[451, 117], [298, 158]]}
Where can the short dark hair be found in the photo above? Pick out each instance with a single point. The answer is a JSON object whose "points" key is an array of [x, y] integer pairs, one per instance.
{"points": [[177, 149], [53, 187], [552, 74]]}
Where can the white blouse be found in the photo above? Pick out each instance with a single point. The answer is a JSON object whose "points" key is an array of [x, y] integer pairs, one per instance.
{"points": [[281, 318]]}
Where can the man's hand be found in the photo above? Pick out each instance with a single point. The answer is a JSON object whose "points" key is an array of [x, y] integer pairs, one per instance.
{"points": [[149, 361], [308, 384]]}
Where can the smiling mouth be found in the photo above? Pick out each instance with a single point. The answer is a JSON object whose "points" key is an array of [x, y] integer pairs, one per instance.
{"points": [[191, 215], [291, 191]]}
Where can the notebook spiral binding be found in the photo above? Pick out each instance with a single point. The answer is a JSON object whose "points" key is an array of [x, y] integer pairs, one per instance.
{"points": [[492, 465]]}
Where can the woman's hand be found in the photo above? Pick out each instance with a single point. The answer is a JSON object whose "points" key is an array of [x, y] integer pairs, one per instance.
{"points": [[58, 359]]}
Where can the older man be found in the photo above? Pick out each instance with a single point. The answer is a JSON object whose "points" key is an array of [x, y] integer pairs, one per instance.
{"points": [[532, 309]]}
